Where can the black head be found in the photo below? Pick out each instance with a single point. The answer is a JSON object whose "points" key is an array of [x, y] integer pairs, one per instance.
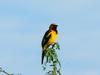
{"points": [[53, 26]]}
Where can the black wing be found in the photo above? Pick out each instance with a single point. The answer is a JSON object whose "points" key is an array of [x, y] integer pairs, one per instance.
{"points": [[45, 39]]}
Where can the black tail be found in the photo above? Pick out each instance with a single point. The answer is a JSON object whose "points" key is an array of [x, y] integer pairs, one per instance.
{"points": [[43, 54]]}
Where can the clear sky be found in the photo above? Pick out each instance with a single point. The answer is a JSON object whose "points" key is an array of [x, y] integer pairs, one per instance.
{"points": [[24, 22]]}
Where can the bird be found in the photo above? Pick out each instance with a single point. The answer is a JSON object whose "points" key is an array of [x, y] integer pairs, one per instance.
{"points": [[49, 38]]}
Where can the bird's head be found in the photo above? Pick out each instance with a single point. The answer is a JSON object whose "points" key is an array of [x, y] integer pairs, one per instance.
{"points": [[53, 26]]}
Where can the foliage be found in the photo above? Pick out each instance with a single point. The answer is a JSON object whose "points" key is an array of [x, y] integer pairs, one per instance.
{"points": [[52, 63]]}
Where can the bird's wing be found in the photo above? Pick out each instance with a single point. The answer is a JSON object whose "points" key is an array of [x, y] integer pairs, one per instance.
{"points": [[44, 42], [46, 37]]}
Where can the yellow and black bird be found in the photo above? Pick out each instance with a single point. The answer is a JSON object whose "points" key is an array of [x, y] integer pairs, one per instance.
{"points": [[49, 38]]}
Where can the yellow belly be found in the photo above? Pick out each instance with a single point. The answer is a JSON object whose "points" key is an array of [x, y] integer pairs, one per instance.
{"points": [[53, 37]]}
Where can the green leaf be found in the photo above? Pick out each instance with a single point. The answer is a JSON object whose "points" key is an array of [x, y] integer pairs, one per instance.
{"points": [[52, 59]]}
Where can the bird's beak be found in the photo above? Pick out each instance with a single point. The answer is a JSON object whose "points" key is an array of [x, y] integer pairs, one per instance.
{"points": [[56, 25]]}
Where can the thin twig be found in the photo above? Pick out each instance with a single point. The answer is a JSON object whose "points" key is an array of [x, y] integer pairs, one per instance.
{"points": [[3, 71]]}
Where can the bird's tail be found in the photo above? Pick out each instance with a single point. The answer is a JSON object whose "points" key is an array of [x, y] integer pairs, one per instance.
{"points": [[43, 54]]}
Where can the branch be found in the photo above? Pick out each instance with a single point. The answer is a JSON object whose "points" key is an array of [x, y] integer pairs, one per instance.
{"points": [[3, 71], [52, 62]]}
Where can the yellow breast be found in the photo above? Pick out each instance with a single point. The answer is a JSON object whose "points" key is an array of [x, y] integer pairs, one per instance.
{"points": [[53, 37]]}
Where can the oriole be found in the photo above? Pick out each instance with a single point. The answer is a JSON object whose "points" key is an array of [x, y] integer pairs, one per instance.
{"points": [[49, 38]]}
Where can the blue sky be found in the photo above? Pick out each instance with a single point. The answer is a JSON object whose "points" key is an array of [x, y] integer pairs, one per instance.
{"points": [[24, 22]]}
